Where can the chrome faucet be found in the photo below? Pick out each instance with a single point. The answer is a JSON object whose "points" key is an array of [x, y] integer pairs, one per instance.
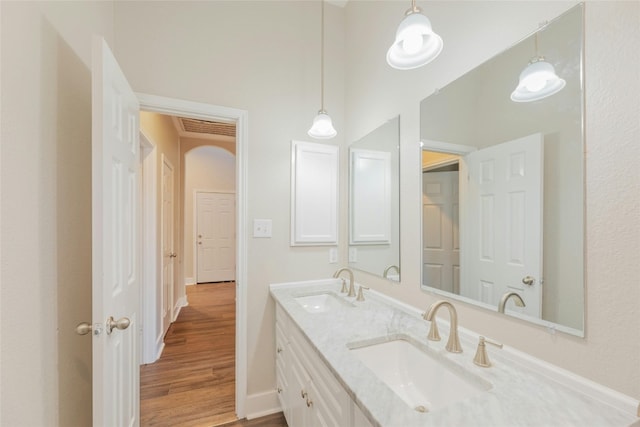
{"points": [[517, 299], [391, 267], [453, 344], [352, 289]]}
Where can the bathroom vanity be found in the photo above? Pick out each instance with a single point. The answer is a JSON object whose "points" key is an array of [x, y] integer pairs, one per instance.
{"points": [[343, 362]]}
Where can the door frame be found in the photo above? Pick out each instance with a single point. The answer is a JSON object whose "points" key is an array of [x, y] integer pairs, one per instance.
{"points": [[197, 110], [168, 299], [152, 345], [195, 226]]}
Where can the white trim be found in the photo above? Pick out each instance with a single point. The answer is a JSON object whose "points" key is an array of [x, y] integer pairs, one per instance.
{"points": [[197, 110], [189, 281], [182, 302], [446, 147], [150, 252], [262, 404], [172, 312]]}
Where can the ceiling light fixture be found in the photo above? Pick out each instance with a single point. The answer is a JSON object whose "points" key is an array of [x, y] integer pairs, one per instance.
{"points": [[322, 127], [538, 80], [416, 44]]}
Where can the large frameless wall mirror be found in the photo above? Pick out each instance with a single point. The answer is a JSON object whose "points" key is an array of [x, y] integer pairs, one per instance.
{"points": [[374, 202], [503, 183]]}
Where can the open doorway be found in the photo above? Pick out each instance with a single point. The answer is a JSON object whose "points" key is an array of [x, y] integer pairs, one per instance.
{"points": [[155, 291]]}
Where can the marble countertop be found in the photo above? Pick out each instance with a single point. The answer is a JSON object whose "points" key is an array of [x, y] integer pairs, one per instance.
{"points": [[518, 396]]}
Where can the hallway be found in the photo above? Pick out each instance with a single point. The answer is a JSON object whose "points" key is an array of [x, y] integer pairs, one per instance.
{"points": [[193, 382]]}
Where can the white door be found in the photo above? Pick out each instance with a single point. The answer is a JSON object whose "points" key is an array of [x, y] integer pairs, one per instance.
{"points": [[440, 237], [168, 252], [116, 253], [216, 236], [503, 237]]}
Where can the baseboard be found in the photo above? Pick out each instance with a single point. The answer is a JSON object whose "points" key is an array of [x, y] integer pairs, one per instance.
{"points": [[159, 348], [182, 302], [261, 404], [188, 281]]}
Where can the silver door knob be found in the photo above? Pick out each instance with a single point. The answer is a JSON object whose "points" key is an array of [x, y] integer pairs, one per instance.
{"points": [[528, 280], [121, 324], [83, 328]]}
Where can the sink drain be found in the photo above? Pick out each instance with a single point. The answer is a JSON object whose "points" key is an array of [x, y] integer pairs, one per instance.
{"points": [[421, 408]]}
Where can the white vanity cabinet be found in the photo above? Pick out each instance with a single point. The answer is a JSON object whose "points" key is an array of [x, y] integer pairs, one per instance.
{"points": [[310, 396]]}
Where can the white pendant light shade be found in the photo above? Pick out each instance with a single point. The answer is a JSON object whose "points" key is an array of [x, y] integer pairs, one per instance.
{"points": [[322, 127], [416, 44], [537, 81]]}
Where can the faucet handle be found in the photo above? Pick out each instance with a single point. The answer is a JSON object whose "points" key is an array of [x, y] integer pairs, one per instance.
{"points": [[482, 358], [360, 296], [344, 286]]}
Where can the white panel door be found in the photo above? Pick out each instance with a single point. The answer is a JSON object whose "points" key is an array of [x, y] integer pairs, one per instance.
{"points": [[216, 237], [168, 244], [504, 224], [440, 215], [116, 253]]}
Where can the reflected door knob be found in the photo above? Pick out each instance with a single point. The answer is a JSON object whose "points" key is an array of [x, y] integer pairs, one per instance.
{"points": [[121, 324], [528, 280]]}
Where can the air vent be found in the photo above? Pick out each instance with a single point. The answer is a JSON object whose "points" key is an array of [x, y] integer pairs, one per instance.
{"points": [[207, 127]]}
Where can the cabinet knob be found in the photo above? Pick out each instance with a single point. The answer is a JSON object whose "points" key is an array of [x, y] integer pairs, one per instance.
{"points": [[279, 349], [309, 403], [279, 390], [303, 394]]}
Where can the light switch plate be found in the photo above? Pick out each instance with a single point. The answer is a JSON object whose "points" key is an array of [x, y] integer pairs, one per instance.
{"points": [[261, 228], [353, 254], [333, 255]]}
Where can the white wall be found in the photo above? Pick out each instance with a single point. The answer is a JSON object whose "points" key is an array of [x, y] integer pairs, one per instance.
{"points": [[45, 370], [208, 168], [472, 33]]}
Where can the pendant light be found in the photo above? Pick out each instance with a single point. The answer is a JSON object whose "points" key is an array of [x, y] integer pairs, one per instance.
{"points": [[322, 127], [416, 44], [538, 80]]}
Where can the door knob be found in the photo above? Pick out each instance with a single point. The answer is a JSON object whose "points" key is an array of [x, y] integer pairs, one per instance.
{"points": [[528, 280], [122, 323], [173, 255], [83, 328]]}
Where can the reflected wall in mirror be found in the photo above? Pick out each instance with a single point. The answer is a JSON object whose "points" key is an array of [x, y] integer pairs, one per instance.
{"points": [[503, 184], [374, 202]]}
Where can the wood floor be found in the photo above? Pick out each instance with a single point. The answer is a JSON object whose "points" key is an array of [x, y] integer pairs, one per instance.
{"points": [[193, 383]]}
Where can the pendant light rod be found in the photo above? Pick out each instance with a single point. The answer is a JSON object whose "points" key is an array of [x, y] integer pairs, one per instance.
{"points": [[414, 8], [322, 56]]}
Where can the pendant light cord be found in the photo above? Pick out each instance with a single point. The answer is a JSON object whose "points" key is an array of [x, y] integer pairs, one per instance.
{"points": [[322, 56]]}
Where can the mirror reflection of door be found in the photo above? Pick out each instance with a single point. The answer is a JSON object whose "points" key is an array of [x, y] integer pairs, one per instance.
{"points": [[503, 231], [482, 219], [215, 237], [441, 238]]}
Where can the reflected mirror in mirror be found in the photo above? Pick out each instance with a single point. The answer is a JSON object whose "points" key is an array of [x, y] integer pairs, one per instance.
{"points": [[374, 202], [503, 184]]}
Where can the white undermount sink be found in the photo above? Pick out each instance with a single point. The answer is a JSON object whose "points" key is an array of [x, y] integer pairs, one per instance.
{"points": [[421, 380], [321, 303]]}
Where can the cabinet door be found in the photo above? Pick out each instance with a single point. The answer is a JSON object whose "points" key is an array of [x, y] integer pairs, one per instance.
{"points": [[314, 193], [299, 390], [282, 361]]}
